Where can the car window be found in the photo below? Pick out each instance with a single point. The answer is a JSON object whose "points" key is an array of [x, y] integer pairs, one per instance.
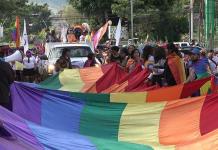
{"points": [[184, 44], [75, 51]]}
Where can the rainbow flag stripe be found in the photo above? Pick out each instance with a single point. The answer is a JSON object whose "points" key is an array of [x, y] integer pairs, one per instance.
{"points": [[112, 79], [54, 119]]}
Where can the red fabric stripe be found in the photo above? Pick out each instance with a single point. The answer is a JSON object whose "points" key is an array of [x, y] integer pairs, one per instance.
{"points": [[112, 76], [209, 114], [106, 67], [137, 81], [129, 76], [192, 87]]}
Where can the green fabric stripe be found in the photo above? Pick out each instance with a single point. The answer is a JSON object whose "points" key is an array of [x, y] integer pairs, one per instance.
{"points": [[101, 120], [91, 97], [102, 144], [52, 82]]}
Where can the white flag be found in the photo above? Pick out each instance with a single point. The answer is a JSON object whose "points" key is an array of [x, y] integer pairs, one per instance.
{"points": [[64, 34], [1, 31], [118, 33], [25, 38]]}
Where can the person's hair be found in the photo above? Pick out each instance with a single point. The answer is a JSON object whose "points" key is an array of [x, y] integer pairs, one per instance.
{"points": [[147, 51], [115, 48], [159, 53], [90, 55], [124, 50], [173, 49], [211, 51], [203, 53], [131, 46], [132, 54], [65, 50]]}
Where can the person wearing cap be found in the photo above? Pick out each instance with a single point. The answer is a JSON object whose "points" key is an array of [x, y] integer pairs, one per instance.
{"points": [[199, 66], [174, 70]]}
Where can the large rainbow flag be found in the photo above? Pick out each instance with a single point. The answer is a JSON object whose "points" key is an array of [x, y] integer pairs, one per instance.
{"points": [[112, 79], [54, 119]]}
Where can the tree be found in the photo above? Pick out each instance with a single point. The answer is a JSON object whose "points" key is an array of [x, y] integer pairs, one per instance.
{"points": [[163, 19], [36, 15], [160, 19], [99, 9]]}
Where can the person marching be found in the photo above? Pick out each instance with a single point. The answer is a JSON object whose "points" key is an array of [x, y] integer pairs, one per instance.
{"points": [[174, 70], [29, 63]]}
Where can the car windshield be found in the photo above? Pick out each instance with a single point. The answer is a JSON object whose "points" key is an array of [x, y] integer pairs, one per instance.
{"points": [[184, 44], [75, 51]]}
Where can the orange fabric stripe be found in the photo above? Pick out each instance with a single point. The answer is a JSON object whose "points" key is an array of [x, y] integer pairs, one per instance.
{"points": [[206, 142], [180, 121], [120, 88], [111, 88], [177, 68], [89, 76], [165, 94]]}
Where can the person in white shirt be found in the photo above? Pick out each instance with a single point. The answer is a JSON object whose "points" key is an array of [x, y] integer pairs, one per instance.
{"points": [[29, 63]]}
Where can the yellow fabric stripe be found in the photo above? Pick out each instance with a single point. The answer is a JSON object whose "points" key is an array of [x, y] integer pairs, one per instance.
{"points": [[205, 88], [70, 80], [140, 124], [131, 97]]}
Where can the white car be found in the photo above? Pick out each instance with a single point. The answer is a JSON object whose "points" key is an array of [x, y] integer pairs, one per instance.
{"points": [[78, 55], [181, 44]]}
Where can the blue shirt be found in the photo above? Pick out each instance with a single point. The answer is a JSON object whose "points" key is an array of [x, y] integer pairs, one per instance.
{"points": [[201, 66]]}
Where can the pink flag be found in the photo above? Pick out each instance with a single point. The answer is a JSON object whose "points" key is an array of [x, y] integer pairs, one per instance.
{"points": [[99, 34]]}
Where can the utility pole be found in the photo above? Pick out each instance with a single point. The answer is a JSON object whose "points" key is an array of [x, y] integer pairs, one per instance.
{"points": [[191, 19], [131, 3], [200, 21]]}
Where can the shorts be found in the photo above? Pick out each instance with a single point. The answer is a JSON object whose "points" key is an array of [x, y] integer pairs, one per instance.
{"points": [[29, 72]]}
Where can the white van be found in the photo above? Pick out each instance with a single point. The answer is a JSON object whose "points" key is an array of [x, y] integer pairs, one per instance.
{"points": [[181, 44], [78, 55]]}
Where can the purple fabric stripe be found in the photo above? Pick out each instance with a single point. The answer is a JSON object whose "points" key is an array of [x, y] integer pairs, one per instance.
{"points": [[25, 100], [22, 137]]}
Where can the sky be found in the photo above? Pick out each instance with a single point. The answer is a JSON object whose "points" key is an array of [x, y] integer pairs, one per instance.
{"points": [[54, 5]]}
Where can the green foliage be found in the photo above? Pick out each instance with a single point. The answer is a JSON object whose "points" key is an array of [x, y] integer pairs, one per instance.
{"points": [[34, 14], [96, 8], [160, 19]]}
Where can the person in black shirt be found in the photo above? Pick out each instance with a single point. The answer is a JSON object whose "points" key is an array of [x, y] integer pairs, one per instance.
{"points": [[6, 79]]}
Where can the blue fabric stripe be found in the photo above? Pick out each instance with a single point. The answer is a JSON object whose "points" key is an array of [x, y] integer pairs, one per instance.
{"points": [[61, 112], [60, 140]]}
